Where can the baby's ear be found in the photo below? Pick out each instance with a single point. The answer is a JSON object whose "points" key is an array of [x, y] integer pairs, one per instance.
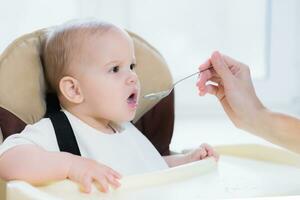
{"points": [[70, 89]]}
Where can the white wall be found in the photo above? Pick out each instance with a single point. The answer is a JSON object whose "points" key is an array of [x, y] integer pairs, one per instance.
{"points": [[279, 90]]}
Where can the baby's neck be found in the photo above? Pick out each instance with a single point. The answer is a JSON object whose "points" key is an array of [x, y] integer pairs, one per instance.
{"points": [[100, 124]]}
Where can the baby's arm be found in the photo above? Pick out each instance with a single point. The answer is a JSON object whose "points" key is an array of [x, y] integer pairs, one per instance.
{"points": [[200, 153], [36, 166]]}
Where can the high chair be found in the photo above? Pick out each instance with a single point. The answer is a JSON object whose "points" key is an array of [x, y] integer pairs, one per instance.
{"points": [[24, 100]]}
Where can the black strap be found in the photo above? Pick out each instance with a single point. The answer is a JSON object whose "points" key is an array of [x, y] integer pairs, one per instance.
{"points": [[52, 104], [64, 133]]}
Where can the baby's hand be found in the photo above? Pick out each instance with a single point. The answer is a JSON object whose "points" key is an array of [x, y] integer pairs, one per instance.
{"points": [[202, 152], [85, 171]]}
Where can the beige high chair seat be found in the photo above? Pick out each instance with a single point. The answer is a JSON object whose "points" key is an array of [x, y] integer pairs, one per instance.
{"points": [[23, 89]]}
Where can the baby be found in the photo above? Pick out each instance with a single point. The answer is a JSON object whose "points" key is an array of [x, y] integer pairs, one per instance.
{"points": [[91, 67]]}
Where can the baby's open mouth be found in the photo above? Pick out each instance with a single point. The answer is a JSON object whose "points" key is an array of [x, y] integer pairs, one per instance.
{"points": [[132, 99]]}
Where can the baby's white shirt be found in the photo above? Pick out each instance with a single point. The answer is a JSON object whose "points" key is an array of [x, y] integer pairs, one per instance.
{"points": [[128, 152]]}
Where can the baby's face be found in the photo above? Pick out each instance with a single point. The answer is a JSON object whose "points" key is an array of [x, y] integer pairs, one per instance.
{"points": [[107, 77]]}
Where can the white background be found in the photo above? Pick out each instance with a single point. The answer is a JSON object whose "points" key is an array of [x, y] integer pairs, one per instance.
{"points": [[265, 34]]}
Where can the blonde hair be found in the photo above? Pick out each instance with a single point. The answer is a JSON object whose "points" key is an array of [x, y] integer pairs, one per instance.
{"points": [[63, 43]]}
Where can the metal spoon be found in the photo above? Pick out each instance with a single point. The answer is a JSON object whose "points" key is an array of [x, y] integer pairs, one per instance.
{"points": [[163, 94]]}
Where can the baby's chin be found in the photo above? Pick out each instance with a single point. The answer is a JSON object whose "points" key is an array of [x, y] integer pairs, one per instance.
{"points": [[126, 119], [131, 117]]}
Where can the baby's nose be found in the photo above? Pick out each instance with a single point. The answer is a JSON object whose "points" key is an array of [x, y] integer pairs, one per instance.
{"points": [[133, 78]]}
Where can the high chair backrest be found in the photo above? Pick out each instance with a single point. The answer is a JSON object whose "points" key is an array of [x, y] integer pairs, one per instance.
{"points": [[23, 89]]}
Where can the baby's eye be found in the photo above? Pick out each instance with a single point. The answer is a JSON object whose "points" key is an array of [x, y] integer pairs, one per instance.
{"points": [[132, 66], [115, 69]]}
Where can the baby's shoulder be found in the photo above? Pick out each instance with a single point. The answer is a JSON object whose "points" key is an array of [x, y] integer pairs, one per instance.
{"points": [[40, 133], [44, 125]]}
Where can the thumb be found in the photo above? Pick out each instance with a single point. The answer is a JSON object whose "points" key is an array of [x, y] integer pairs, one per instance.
{"points": [[221, 67]]}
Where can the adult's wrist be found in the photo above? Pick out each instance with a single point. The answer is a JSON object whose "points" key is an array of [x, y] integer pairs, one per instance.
{"points": [[258, 120]]}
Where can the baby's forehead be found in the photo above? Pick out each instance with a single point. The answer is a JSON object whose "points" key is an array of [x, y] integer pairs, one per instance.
{"points": [[113, 41]]}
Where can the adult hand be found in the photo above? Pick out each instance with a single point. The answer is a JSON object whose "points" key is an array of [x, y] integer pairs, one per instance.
{"points": [[235, 91], [233, 87]]}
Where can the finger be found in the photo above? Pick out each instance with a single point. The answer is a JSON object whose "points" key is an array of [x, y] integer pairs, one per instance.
{"points": [[217, 91], [203, 78], [217, 80], [212, 75], [201, 153], [212, 152], [212, 89], [87, 184], [113, 181], [205, 65], [102, 183], [230, 61], [221, 67], [208, 148], [116, 174], [213, 78], [235, 66], [212, 71], [235, 70]]}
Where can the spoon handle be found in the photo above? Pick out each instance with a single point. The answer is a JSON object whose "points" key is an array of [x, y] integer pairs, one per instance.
{"points": [[191, 75]]}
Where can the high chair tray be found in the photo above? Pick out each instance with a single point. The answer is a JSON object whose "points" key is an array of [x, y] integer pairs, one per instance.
{"points": [[243, 171]]}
